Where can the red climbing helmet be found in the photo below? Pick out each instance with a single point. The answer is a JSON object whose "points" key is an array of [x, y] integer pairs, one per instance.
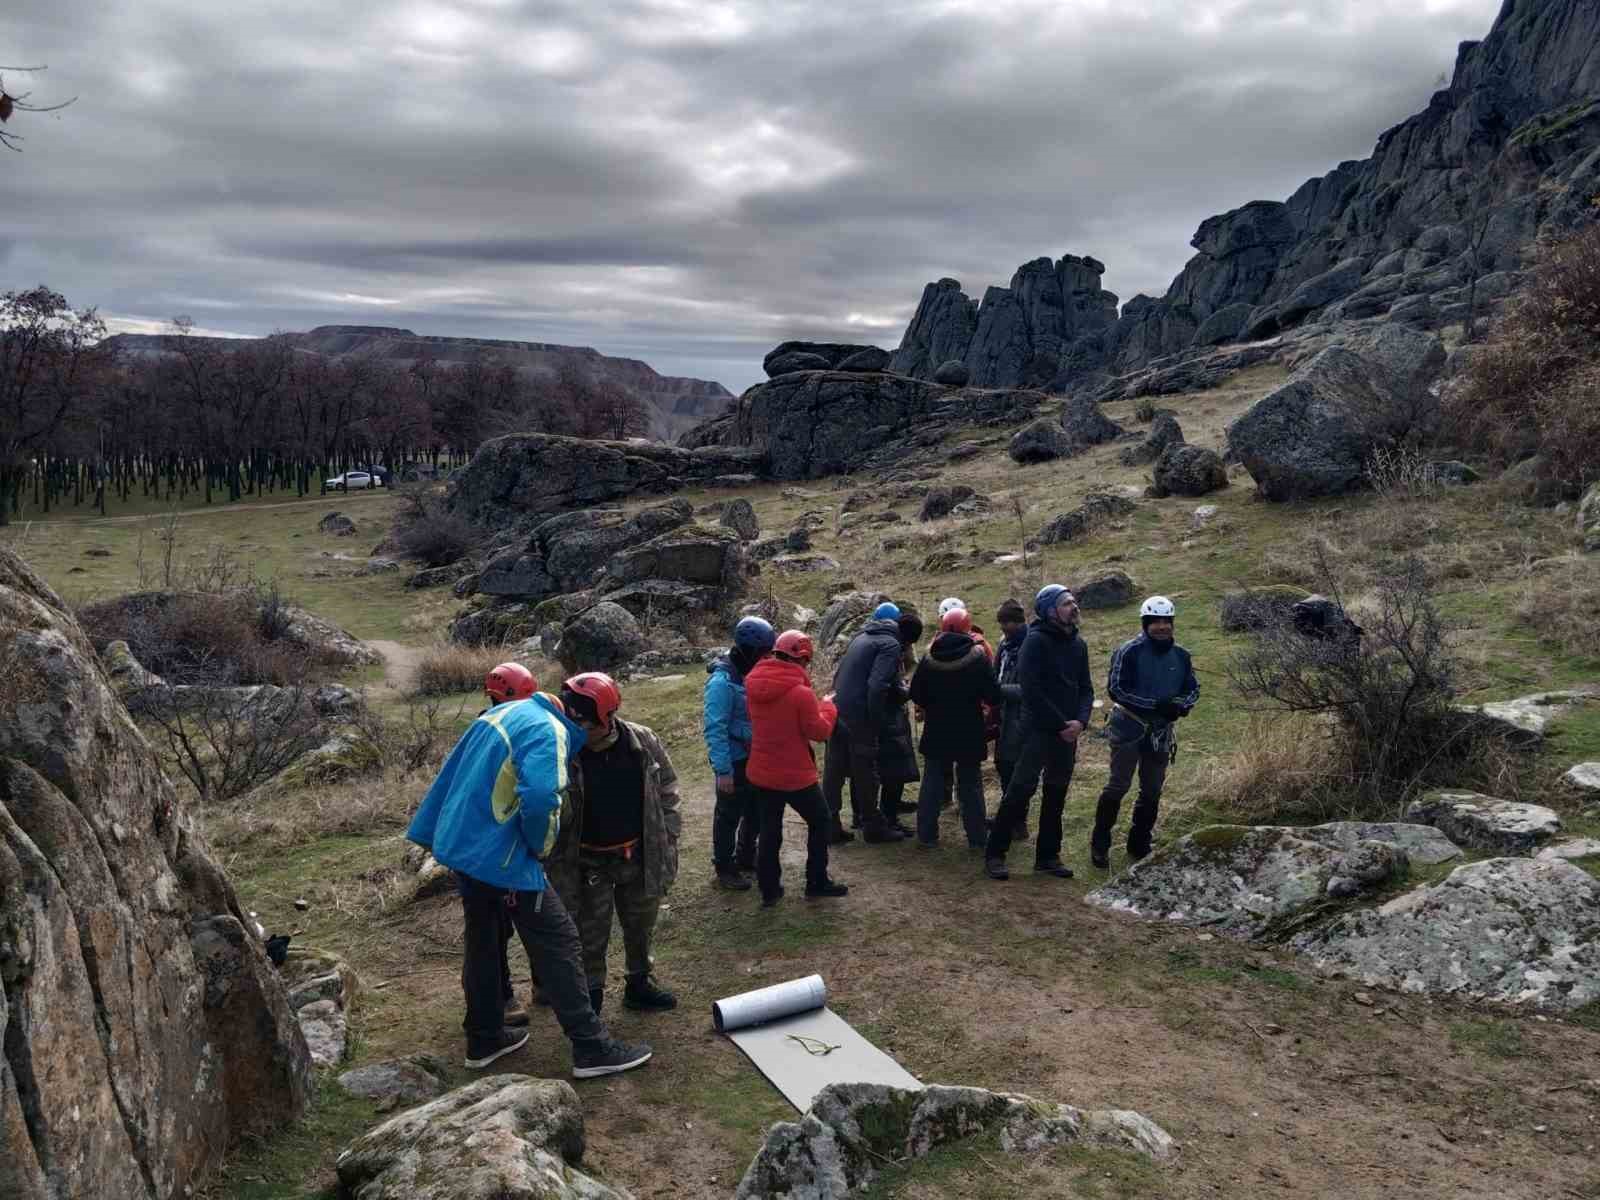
{"points": [[957, 620], [592, 690], [794, 644], [510, 681]]}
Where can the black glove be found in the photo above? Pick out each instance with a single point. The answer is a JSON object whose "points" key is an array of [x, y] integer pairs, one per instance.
{"points": [[1171, 710]]}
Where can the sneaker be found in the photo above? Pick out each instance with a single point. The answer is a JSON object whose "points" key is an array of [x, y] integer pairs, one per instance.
{"points": [[516, 1016], [482, 1052], [645, 996], [876, 835], [1102, 861], [730, 879], [1054, 867], [905, 829], [995, 868], [826, 888], [607, 1056], [771, 899]]}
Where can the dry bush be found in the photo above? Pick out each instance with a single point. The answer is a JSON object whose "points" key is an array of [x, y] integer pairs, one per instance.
{"points": [[426, 533], [447, 668], [1561, 606], [225, 740], [1285, 771], [278, 820], [1403, 473]]}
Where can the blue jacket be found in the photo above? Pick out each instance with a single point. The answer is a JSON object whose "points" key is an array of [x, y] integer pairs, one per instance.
{"points": [[726, 717], [1141, 679], [1053, 670], [495, 809]]}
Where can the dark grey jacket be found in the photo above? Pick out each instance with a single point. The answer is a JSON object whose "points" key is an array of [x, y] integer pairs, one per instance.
{"points": [[1008, 746], [868, 674], [1054, 673]]}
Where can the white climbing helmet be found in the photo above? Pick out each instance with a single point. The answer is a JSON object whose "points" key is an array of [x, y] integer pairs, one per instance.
{"points": [[949, 603], [1158, 606]]}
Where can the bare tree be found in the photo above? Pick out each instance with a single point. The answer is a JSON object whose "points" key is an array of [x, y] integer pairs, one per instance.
{"points": [[11, 103], [618, 412], [226, 740]]}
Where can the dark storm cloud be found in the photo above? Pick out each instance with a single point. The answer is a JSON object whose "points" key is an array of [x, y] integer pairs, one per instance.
{"points": [[685, 181]]}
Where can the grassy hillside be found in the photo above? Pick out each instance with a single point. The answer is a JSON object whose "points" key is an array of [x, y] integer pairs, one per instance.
{"points": [[1275, 1081]]}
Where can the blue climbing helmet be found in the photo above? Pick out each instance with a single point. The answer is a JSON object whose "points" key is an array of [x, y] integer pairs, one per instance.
{"points": [[753, 633], [1048, 599], [887, 611]]}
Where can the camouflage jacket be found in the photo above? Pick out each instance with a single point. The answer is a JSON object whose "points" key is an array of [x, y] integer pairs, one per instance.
{"points": [[663, 816]]}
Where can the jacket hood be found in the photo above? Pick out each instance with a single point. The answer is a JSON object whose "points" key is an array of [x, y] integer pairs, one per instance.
{"points": [[771, 679], [1013, 640], [888, 628], [721, 663], [952, 647]]}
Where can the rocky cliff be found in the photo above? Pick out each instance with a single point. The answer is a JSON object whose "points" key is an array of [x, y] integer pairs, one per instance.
{"points": [[676, 402], [1440, 218], [144, 1029]]}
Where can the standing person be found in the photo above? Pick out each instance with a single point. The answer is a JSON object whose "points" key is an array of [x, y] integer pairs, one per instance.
{"points": [[1057, 701], [1152, 685], [897, 751], [952, 683], [1009, 731], [736, 819], [867, 688], [787, 717], [618, 846], [491, 816]]}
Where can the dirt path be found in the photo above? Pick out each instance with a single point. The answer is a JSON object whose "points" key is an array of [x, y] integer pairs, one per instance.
{"points": [[400, 663], [209, 511]]}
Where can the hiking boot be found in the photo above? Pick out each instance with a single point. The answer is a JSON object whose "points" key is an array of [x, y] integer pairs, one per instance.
{"points": [[1100, 859], [643, 995], [1054, 867], [1136, 855], [597, 997], [995, 868], [828, 887], [516, 1016], [483, 1051], [839, 836], [607, 1056], [771, 899], [876, 835], [1020, 833], [731, 879], [905, 829]]}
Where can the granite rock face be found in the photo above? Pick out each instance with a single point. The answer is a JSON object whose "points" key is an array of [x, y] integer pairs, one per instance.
{"points": [[144, 1029]]}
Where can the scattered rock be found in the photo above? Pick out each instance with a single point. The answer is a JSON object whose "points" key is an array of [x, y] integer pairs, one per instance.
{"points": [[322, 990], [381, 566], [1164, 431], [1184, 470], [805, 563], [952, 373], [398, 1082], [1086, 424], [962, 451], [127, 674], [504, 1137], [1486, 823], [838, 1148], [1513, 930], [446, 576], [1453, 473], [336, 524], [1571, 850], [740, 517], [1097, 508], [601, 639], [941, 501], [1584, 776], [1203, 516], [1528, 718], [1111, 589], [97, 552], [1039, 441]]}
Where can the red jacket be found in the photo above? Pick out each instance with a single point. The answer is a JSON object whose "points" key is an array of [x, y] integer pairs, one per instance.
{"points": [[785, 718]]}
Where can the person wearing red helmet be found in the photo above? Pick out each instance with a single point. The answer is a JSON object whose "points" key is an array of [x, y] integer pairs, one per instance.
{"points": [[509, 681], [952, 684], [785, 718], [618, 846], [492, 817]]}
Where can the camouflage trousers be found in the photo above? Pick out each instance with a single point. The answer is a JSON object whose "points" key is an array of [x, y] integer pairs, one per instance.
{"points": [[601, 885]]}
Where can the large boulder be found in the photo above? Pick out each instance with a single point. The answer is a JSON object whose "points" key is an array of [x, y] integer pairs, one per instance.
{"points": [[1164, 431], [514, 479], [1512, 930], [602, 639], [507, 1137], [740, 516], [843, 619], [1108, 589], [1086, 424], [826, 356], [837, 1149], [1314, 435], [336, 524], [398, 1082], [1039, 441], [795, 360], [569, 552], [1184, 470], [953, 373], [941, 501], [1486, 823], [691, 554], [1097, 509], [1249, 881], [1526, 719], [1321, 290], [145, 1030]]}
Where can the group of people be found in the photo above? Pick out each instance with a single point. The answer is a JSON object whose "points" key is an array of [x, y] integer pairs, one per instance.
{"points": [[555, 814]]}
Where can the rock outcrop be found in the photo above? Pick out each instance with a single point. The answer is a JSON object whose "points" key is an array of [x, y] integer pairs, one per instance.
{"points": [[1097, 509], [839, 1147], [507, 1136], [1512, 930], [144, 1029], [1485, 822], [823, 356]]}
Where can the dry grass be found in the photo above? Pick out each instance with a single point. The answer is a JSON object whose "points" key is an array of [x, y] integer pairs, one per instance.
{"points": [[272, 819], [447, 669], [1561, 605], [1286, 770]]}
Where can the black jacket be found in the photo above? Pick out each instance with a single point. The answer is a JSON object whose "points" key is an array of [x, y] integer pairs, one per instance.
{"points": [[951, 684], [1008, 746], [1054, 673], [868, 675], [1142, 677]]}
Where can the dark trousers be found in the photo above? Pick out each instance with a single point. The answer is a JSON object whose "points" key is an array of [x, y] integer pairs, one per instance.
{"points": [[856, 759], [1005, 768], [890, 798], [1043, 755], [808, 802], [968, 779], [1152, 768], [551, 940], [735, 824]]}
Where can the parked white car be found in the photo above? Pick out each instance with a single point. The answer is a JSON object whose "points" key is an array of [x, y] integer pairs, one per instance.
{"points": [[350, 481]]}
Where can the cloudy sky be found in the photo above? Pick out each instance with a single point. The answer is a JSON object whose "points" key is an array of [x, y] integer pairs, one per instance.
{"points": [[684, 181]]}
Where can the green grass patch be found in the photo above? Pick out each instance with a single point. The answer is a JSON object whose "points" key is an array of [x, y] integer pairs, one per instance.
{"points": [[1489, 1036], [275, 1168]]}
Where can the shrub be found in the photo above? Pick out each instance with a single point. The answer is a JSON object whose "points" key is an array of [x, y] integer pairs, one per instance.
{"points": [[1145, 410], [447, 669], [1403, 473], [225, 740], [1562, 607], [1285, 770]]}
